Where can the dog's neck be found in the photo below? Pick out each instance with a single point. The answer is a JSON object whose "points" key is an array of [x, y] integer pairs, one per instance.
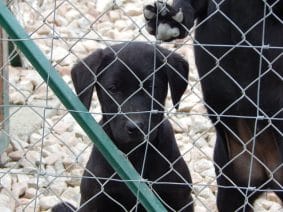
{"points": [[144, 155]]}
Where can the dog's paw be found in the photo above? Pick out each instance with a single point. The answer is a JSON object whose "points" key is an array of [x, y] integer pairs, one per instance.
{"points": [[164, 22]]}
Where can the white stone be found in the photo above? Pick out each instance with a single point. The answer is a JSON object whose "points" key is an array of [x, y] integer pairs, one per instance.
{"points": [[6, 181], [83, 24], [196, 178], [34, 157], [71, 195], [34, 78], [211, 139], [17, 98], [75, 177], [28, 207], [47, 202], [67, 78], [35, 183], [196, 154], [177, 127], [58, 54], [208, 152], [58, 186], [202, 165], [14, 75], [205, 192], [188, 103], [6, 199], [62, 127], [200, 142], [26, 85], [44, 30], [69, 138], [200, 208], [54, 148], [19, 142], [19, 189], [4, 158], [43, 94], [263, 203], [125, 35], [110, 34], [114, 15], [201, 124], [180, 125], [59, 167], [90, 45], [16, 155], [104, 5], [22, 178], [51, 159], [35, 137], [30, 193], [79, 48], [72, 15], [5, 209], [121, 25], [133, 9], [80, 148], [50, 170]]}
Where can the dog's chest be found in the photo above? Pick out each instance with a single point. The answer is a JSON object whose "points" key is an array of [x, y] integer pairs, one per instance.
{"points": [[257, 158]]}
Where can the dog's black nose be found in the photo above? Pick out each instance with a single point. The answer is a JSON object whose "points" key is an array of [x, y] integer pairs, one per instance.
{"points": [[134, 127]]}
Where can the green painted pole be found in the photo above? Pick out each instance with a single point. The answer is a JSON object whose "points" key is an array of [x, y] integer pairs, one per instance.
{"points": [[4, 94], [115, 158]]}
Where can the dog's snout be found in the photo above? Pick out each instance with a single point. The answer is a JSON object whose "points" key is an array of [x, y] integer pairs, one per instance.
{"points": [[134, 127]]}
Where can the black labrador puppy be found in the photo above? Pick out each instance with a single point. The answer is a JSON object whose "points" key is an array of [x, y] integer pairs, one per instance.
{"points": [[238, 53], [131, 82]]}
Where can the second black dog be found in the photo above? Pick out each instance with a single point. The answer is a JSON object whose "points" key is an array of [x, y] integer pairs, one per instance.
{"points": [[238, 54]]}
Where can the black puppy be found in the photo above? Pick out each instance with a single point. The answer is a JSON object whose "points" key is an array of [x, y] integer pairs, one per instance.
{"points": [[238, 54], [131, 82]]}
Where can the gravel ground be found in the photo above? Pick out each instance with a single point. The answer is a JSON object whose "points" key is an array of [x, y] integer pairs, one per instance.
{"points": [[43, 167]]}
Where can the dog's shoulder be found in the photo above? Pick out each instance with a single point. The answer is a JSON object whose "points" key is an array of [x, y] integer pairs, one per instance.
{"points": [[166, 141]]}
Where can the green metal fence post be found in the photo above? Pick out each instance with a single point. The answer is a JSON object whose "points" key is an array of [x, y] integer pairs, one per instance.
{"points": [[115, 158], [4, 94]]}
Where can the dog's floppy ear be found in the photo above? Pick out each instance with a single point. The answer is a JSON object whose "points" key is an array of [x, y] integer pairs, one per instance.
{"points": [[177, 70], [84, 76]]}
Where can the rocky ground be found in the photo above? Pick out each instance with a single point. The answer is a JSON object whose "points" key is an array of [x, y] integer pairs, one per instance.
{"points": [[43, 166]]}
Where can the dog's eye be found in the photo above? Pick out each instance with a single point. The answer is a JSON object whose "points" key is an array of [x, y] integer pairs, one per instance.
{"points": [[112, 89]]}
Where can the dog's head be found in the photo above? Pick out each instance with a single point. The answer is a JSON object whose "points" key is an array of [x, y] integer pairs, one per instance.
{"points": [[131, 82]]}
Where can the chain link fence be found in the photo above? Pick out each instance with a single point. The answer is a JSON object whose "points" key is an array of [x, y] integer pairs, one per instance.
{"points": [[45, 139]]}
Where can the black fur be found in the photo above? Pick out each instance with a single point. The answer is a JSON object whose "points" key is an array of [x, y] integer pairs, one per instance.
{"points": [[231, 77], [117, 85]]}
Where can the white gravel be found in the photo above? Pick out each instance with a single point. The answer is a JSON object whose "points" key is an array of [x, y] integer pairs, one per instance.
{"points": [[43, 167]]}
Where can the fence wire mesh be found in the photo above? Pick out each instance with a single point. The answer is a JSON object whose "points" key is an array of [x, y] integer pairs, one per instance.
{"points": [[48, 151]]}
